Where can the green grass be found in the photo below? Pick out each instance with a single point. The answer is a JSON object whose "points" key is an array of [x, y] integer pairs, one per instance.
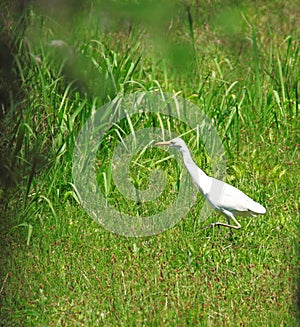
{"points": [[58, 266]]}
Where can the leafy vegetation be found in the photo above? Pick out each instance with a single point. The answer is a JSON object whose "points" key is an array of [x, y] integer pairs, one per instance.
{"points": [[240, 66]]}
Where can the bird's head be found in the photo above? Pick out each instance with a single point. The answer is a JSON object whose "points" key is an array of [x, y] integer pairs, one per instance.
{"points": [[176, 143]]}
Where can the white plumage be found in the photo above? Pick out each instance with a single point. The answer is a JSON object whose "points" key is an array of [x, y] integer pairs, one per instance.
{"points": [[224, 198]]}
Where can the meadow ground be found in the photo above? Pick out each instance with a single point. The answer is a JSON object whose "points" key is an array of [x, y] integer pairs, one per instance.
{"points": [[240, 66]]}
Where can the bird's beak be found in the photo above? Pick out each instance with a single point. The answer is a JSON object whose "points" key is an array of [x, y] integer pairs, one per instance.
{"points": [[163, 143]]}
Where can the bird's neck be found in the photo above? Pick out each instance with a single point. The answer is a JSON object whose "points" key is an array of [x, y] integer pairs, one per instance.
{"points": [[187, 158], [198, 176]]}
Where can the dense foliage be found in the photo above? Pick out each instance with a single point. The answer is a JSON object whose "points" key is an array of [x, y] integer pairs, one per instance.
{"points": [[63, 61]]}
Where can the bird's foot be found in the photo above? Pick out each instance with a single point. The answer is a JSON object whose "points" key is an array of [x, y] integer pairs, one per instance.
{"points": [[213, 225], [210, 226]]}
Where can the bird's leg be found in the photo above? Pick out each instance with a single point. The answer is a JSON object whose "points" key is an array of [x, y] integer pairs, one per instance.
{"points": [[228, 216]]}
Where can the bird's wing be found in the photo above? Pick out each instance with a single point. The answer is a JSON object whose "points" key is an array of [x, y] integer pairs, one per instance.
{"points": [[227, 197]]}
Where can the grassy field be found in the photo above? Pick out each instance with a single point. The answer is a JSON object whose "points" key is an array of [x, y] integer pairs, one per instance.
{"points": [[240, 65]]}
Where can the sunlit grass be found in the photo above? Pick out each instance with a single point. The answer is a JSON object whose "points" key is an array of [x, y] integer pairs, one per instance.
{"points": [[61, 268]]}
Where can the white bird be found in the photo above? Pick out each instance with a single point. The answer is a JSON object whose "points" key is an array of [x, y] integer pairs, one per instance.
{"points": [[224, 198]]}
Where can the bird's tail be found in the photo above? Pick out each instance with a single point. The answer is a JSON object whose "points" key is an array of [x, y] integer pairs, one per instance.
{"points": [[258, 208]]}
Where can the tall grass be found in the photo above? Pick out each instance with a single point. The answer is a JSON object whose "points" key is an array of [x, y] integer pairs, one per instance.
{"points": [[62, 268]]}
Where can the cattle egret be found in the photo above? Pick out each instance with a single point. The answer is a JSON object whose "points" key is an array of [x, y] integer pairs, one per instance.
{"points": [[224, 198]]}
